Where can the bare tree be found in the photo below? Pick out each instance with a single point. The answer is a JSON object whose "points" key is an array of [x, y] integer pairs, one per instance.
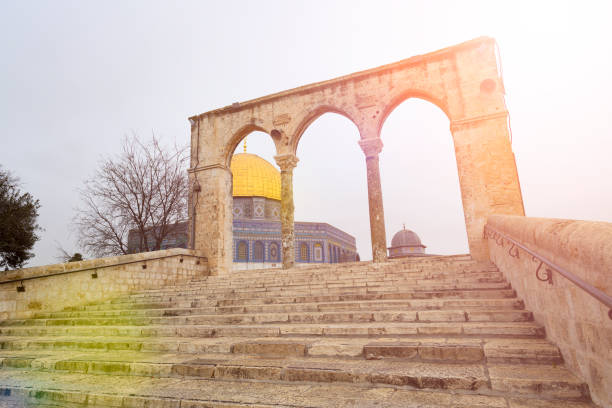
{"points": [[144, 188], [64, 256]]}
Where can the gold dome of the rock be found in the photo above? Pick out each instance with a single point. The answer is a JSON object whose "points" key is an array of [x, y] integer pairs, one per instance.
{"points": [[254, 176]]}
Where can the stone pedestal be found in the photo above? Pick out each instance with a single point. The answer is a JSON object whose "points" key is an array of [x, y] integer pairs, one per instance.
{"points": [[372, 147], [287, 163]]}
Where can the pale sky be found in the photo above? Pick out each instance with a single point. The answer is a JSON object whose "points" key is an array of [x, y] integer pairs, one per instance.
{"points": [[76, 76]]}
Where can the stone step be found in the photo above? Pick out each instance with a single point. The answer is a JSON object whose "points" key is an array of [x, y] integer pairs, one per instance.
{"points": [[262, 300], [449, 350], [322, 284], [475, 329], [395, 266], [376, 305], [467, 315], [390, 267], [435, 332], [352, 290], [38, 389], [328, 288], [327, 281], [364, 269], [545, 380]]}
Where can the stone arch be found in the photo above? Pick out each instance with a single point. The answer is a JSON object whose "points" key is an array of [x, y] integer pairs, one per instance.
{"points": [[310, 117], [237, 137], [442, 175], [463, 80], [403, 96]]}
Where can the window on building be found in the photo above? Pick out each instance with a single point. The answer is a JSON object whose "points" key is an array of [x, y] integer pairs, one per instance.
{"points": [[274, 252], [318, 252], [243, 251], [304, 252], [258, 251]]}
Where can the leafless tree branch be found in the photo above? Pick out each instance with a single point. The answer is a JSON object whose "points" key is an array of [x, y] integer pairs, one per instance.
{"points": [[144, 188]]}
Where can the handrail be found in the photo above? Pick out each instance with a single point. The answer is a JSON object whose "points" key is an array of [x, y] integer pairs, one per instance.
{"points": [[100, 267], [499, 237]]}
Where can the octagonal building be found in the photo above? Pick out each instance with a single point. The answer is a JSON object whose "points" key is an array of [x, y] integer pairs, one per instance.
{"points": [[257, 227]]}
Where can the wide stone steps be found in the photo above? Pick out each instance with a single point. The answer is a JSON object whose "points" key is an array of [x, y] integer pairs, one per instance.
{"points": [[432, 333], [487, 329], [326, 289], [375, 305], [97, 391], [330, 274], [345, 316], [450, 350], [545, 380], [262, 299], [281, 277], [319, 282]]}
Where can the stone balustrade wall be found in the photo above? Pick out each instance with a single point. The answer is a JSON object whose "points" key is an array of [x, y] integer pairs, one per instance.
{"points": [[574, 320], [45, 289]]}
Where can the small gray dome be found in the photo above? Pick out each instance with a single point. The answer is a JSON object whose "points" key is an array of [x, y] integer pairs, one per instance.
{"points": [[405, 238]]}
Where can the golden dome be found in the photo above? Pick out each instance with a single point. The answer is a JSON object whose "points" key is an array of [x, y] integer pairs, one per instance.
{"points": [[254, 176]]}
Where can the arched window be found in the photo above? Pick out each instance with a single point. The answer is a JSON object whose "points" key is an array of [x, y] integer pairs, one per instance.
{"points": [[258, 251], [243, 251], [274, 253], [304, 252], [318, 252]]}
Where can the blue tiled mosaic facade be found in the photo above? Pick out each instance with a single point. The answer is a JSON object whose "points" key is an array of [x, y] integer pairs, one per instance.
{"points": [[314, 242], [259, 241], [257, 227]]}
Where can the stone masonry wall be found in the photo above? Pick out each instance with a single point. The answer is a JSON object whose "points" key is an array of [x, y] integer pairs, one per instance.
{"points": [[574, 320], [115, 276]]}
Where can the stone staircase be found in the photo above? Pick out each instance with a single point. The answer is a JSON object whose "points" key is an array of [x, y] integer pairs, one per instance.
{"points": [[423, 332]]}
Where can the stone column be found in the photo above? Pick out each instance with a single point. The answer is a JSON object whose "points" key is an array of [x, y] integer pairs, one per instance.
{"points": [[287, 163], [372, 147], [487, 175], [213, 220]]}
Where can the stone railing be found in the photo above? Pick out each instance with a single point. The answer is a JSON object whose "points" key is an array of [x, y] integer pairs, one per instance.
{"points": [[23, 292], [575, 320]]}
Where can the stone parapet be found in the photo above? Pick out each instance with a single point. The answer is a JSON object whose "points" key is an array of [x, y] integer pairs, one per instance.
{"points": [[576, 321], [24, 292]]}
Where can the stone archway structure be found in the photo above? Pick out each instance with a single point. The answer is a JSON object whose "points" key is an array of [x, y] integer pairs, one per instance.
{"points": [[463, 80]]}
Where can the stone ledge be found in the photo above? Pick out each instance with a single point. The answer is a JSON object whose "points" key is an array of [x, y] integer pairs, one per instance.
{"points": [[46, 270], [574, 320]]}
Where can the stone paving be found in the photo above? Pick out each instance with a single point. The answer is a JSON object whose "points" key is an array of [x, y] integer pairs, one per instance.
{"points": [[429, 332]]}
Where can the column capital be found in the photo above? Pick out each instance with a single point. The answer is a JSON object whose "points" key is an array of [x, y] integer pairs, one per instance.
{"points": [[286, 162], [371, 147]]}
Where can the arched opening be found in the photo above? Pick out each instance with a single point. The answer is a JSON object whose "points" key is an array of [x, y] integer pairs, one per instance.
{"points": [[420, 182], [242, 252], [255, 200], [330, 187], [258, 251], [318, 252], [304, 252], [274, 252]]}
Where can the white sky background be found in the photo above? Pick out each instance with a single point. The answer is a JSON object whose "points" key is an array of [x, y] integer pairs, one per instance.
{"points": [[76, 76]]}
